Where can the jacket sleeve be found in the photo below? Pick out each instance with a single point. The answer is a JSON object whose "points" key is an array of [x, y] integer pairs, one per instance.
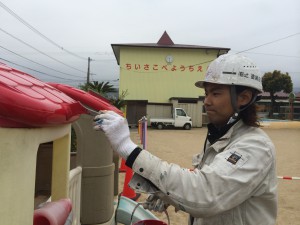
{"points": [[235, 175]]}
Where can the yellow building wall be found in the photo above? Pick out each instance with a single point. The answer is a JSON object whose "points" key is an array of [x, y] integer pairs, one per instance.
{"points": [[146, 75]]}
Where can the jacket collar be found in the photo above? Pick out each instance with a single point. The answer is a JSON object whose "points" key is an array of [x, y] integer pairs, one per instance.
{"points": [[214, 133], [220, 143]]}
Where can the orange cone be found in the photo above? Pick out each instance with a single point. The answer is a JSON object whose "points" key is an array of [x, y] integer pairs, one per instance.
{"points": [[127, 191], [122, 168]]}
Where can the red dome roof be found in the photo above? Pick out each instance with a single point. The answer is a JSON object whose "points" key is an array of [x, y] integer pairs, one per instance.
{"points": [[28, 102], [88, 99]]}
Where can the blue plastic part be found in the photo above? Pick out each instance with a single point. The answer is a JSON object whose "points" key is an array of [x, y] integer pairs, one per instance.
{"points": [[125, 209]]}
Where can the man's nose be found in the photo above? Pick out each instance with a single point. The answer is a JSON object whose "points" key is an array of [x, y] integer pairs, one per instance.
{"points": [[206, 100]]}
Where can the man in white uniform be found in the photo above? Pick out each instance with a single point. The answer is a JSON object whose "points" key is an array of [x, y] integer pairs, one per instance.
{"points": [[234, 180]]}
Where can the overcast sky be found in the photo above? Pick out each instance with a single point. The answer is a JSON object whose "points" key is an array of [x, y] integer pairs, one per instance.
{"points": [[87, 28]]}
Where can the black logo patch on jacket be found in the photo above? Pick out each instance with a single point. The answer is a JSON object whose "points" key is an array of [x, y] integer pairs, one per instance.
{"points": [[234, 158]]}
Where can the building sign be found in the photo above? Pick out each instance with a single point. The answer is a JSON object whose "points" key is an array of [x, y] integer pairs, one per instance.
{"points": [[156, 67]]}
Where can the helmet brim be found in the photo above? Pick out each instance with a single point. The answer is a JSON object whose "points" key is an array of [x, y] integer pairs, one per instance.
{"points": [[200, 84]]}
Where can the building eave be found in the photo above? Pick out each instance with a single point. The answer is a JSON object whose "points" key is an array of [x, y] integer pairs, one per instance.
{"points": [[117, 47]]}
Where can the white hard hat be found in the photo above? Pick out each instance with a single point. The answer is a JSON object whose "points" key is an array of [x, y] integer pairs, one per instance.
{"points": [[234, 69]]}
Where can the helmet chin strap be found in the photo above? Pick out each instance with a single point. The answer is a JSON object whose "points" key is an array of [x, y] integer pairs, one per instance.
{"points": [[233, 118], [237, 110]]}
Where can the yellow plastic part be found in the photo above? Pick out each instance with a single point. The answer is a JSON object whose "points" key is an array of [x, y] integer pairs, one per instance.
{"points": [[18, 152]]}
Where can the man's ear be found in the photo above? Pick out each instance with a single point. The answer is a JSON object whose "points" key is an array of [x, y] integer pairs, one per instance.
{"points": [[244, 97]]}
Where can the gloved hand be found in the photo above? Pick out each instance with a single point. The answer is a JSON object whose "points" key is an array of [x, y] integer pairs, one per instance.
{"points": [[154, 203], [115, 128]]}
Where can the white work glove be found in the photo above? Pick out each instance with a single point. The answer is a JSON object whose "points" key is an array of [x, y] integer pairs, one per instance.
{"points": [[154, 203], [115, 128]]}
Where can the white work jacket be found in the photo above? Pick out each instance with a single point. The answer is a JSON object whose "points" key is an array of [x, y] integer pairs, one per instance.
{"points": [[234, 182]]}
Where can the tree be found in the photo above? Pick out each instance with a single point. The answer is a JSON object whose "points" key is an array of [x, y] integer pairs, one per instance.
{"points": [[104, 89], [120, 101], [99, 87], [275, 82]]}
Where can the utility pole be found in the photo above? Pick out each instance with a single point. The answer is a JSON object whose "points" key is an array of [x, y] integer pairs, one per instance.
{"points": [[88, 71]]}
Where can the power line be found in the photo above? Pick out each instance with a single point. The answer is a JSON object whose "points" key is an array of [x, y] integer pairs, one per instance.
{"points": [[42, 35], [287, 56], [271, 42], [39, 71], [38, 32], [38, 63], [41, 51]]}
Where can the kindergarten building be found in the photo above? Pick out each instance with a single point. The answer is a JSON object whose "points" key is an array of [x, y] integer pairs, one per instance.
{"points": [[160, 76]]}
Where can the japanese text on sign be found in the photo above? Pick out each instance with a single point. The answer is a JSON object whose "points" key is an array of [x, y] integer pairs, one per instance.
{"points": [[156, 67]]}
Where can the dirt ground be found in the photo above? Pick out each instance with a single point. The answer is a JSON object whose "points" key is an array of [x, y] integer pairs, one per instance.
{"points": [[178, 146]]}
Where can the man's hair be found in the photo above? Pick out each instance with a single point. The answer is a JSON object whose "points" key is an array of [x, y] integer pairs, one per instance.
{"points": [[249, 114]]}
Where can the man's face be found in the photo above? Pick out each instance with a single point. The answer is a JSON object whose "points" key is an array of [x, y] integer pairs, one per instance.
{"points": [[217, 103]]}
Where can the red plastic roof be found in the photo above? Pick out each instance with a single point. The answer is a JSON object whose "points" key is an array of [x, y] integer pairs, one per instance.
{"points": [[28, 102], [91, 100]]}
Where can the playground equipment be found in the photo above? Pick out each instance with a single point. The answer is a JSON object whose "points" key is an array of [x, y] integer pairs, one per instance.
{"points": [[97, 165], [86, 98], [27, 103], [54, 213], [95, 156], [33, 113], [129, 212]]}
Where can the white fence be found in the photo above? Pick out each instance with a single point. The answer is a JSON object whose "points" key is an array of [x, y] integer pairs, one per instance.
{"points": [[75, 192]]}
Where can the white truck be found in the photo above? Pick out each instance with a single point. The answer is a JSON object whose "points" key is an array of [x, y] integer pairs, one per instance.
{"points": [[180, 119]]}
